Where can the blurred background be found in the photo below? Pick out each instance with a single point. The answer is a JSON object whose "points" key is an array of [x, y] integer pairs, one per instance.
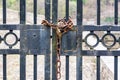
{"points": [[89, 10]]}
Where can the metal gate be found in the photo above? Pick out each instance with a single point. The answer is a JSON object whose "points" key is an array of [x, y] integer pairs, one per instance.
{"points": [[34, 42]]}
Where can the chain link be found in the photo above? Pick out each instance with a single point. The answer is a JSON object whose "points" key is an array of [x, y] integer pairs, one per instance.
{"points": [[58, 61], [60, 30]]}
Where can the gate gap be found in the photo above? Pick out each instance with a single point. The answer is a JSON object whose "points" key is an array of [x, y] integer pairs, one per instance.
{"points": [[89, 12], [40, 11], [29, 11], [107, 12], [40, 66], [89, 67], [13, 68], [29, 67], [62, 67], [107, 67], [72, 11], [72, 68], [12, 11], [61, 9]]}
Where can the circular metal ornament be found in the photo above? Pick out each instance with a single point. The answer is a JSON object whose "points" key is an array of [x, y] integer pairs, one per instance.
{"points": [[104, 43], [95, 36], [10, 44]]}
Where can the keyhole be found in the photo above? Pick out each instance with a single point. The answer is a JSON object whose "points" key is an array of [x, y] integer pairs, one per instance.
{"points": [[34, 35]]}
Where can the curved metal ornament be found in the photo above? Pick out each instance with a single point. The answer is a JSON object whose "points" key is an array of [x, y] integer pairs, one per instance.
{"points": [[114, 40], [8, 44], [97, 38]]}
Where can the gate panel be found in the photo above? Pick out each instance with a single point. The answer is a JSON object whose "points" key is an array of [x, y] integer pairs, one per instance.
{"points": [[28, 44], [35, 40]]}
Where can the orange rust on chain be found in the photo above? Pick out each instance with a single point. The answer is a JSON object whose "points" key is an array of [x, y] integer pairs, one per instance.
{"points": [[58, 62], [61, 28]]}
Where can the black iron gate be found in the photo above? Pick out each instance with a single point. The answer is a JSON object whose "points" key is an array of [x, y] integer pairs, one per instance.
{"points": [[34, 42]]}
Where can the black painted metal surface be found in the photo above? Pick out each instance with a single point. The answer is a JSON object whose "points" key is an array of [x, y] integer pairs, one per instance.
{"points": [[35, 40], [54, 20]]}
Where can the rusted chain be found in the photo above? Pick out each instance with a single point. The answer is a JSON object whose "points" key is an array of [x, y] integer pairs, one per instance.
{"points": [[58, 62], [61, 28]]}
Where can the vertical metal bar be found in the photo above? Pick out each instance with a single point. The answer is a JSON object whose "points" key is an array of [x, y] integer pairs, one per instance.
{"points": [[98, 57], [47, 9], [54, 20], [47, 55], [4, 11], [4, 55], [47, 65], [67, 9], [116, 68], [4, 67], [54, 10], [67, 67], [22, 66], [35, 56], [116, 57], [35, 67], [98, 12], [98, 68], [22, 11], [79, 39], [67, 57], [35, 11], [22, 54], [116, 12]]}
